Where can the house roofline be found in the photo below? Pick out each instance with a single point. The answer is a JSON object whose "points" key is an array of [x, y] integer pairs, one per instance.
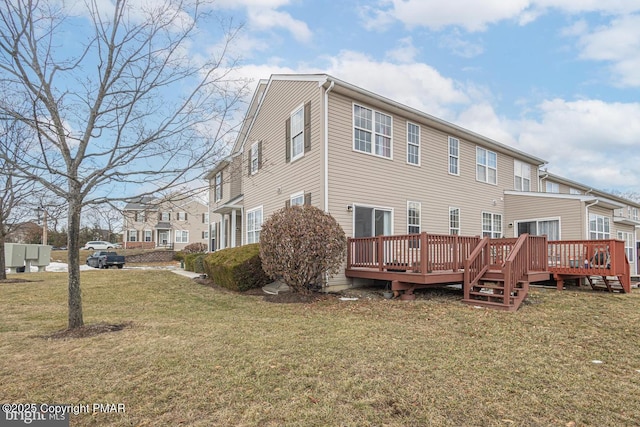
{"points": [[602, 201]]}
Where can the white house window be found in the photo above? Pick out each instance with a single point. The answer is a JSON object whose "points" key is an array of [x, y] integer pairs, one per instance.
{"points": [[634, 214], [413, 217], [454, 156], [205, 235], [182, 236], [140, 216], [205, 218], [454, 221], [599, 227], [133, 236], [628, 244], [553, 187], [165, 216], [372, 131], [297, 133], [254, 225], [522, 176], [413, 144], [486, 166], [491, 225], [182, 216], [297, 199], [218, 186], [254, 157], [574, 191], [147, 236]]}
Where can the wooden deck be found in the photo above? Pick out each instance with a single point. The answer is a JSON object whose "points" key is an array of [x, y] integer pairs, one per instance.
{"points": [[494, 272]]}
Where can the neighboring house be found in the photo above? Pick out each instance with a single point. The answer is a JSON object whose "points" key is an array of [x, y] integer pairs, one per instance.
{"points": [[26, 232], [380, 167], [154, 223]]}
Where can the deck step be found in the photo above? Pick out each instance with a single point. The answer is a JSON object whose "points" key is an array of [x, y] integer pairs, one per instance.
{"points": [[491, 304]]}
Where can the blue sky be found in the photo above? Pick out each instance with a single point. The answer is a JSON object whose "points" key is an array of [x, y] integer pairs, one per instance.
{"points": [[559, 79]]}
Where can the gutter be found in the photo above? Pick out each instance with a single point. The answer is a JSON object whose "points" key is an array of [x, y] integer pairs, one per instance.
{"points": [[326, 145], [587, 217]]}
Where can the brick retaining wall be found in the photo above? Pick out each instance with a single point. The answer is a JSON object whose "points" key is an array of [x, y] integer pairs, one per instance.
{"points": [[155, 256]]}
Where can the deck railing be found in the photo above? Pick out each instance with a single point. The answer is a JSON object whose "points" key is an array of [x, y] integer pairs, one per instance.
{"points": [[590, 258], [476, 265], [516, 266], [419, 253]]}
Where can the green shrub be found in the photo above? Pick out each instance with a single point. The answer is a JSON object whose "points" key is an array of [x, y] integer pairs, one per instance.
{"points": [[237, 269], [301, 244]]}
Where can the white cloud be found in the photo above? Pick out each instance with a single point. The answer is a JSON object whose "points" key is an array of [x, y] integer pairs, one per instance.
{"points": [[455, 43], [617, 43], [404, 53]]}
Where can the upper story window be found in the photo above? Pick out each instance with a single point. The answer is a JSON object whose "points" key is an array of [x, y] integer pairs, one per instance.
{"points": [[205, 218], [454, 221], [634, 214], [218, 186], [553, 187], [522, 176], [165, 216], [372, 131], [454, 156], [182, 216], [297, 133], [486, 166], [140, 216], [599, 227], [413, 217], [413, 144], [255, 157], [574, 191]]}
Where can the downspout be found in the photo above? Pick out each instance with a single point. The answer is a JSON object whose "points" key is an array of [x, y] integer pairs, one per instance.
{"points": [[587, 217], [326, 146]]}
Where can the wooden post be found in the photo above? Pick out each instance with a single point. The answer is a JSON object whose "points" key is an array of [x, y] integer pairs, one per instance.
{"points": [[456, 249], [380, 253], [423, 253]]}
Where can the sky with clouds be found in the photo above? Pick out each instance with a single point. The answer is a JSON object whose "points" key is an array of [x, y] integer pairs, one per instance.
{"points": [[559, 79]]}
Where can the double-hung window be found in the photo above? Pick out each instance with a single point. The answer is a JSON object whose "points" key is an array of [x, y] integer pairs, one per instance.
{"points": [[372, 131], [182, 236], [254, 225], [454, 156], [218, 187], [133, 236], [454, 221], [297, 133], [147, 235], [413, 217], [491, 225], [599, 227], [165, 216], [486, 166], [522, 176], [254, 157], [413, 144], [552, 187], [628, 244]]}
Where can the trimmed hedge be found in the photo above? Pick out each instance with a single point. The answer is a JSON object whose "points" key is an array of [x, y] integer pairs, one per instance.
{"points": [[237, 269], [194, 262]]}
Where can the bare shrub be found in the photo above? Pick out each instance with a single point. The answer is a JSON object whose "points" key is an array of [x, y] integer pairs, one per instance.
{"points": [[300, 244], [195, 248]]}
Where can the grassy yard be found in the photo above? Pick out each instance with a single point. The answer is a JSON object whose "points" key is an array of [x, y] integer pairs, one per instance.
{"points": [[197, 356]]}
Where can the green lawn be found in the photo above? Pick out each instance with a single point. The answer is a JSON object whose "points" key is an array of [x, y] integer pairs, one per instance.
{"points": [[197, 356]]}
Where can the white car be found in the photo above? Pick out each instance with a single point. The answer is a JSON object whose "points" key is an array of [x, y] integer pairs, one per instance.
{"points": [[99, 245]]}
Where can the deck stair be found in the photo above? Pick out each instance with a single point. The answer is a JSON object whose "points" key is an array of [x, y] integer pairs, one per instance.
{"points": [[606, 283], [489, 292]]}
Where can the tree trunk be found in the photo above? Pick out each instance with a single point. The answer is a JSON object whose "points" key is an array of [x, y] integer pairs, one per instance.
{"points": [[73, 247], [3, 265]]}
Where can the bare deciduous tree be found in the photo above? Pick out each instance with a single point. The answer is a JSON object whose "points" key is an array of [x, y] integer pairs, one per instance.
{"points": [[118, 98]]}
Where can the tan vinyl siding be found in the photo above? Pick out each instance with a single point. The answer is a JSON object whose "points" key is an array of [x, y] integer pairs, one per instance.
{"points": [[274, 183], [360, 178], [571, 213]]}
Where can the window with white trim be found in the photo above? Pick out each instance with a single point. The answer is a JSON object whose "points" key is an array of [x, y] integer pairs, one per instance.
{"points": [[297, 133], [297, 199], [552, 187], [522, 176], [628, 244], [372, 131], [133, 236], [486, 166], [254, 225], [218, 186], [165, 216], [454, 221], [599, 227], [205, 218], [574, 191], [491, 225], [454, 156], [140, 216], [182, 216], [182, 236], [253, 153], [147, 236], [413, 144], [540, 227], [205, 235], [413, 217]]}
